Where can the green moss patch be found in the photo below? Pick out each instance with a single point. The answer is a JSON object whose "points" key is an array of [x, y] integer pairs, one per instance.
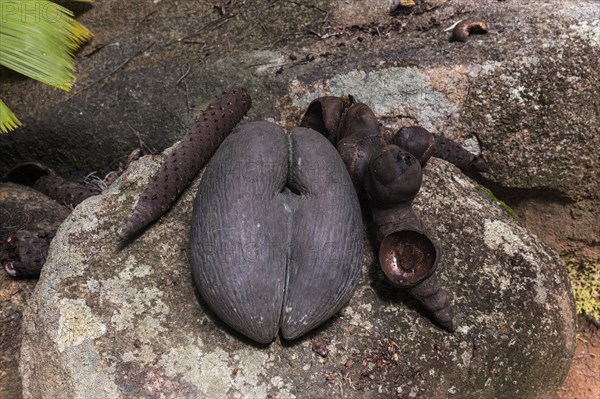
{"points": [[513, 215], [585, 280]]}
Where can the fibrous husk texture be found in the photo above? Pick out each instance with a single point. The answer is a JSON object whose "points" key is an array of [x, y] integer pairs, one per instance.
{"points": [[186, 159]]}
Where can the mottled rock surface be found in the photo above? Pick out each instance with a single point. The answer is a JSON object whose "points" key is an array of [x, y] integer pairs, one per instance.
{"points": [[20, 208], [13, 299], [526, 94], [105, 322]]}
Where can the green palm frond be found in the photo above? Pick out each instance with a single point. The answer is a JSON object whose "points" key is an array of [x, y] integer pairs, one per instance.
{"points": [[8, 120], [38, 38]]}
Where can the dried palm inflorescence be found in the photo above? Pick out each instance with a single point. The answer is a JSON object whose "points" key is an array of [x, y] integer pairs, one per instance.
{"points": [[390, 176], [27, 249], [27, 252], [46, 181], [187, 158]]}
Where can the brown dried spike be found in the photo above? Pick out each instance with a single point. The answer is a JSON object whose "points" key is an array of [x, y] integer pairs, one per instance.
{"points": [[45, 180], [64, 191], [433, 297], [187, 158], [463, 29]]}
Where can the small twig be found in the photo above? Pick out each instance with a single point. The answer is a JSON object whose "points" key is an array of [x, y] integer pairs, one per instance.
{"points": [[181, 80], [325, 35], [453, 25], [584, 355], [184, 74], [141, 143], [99, 47], [283, 65], [263, 27], [121, 65], [91, 180], [210, 25], [582, 339], [145, 18], [187, 97], [312, 6]]}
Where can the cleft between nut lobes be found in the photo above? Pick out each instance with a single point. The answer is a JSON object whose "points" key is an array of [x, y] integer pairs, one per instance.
{"points": [[276, 233]]}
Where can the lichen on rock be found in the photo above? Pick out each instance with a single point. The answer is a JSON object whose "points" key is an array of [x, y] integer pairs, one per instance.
{"points": [[129, 323]]}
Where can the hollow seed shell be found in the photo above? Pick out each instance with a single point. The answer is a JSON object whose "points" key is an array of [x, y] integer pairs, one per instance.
{"points": [[463, 29]]}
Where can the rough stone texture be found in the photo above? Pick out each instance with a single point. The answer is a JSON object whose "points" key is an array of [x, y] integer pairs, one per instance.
{"points": [[20, 208], [526, 94], [128, 323], [536, 112], [13, 298]]}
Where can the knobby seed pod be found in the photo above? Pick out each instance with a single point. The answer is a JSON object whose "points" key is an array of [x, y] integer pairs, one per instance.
{"points": [[390, 178], [463, 29], [64, 191], [28, 220], [187, 158], [423, 145], [27, 251], [45, 180]]}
